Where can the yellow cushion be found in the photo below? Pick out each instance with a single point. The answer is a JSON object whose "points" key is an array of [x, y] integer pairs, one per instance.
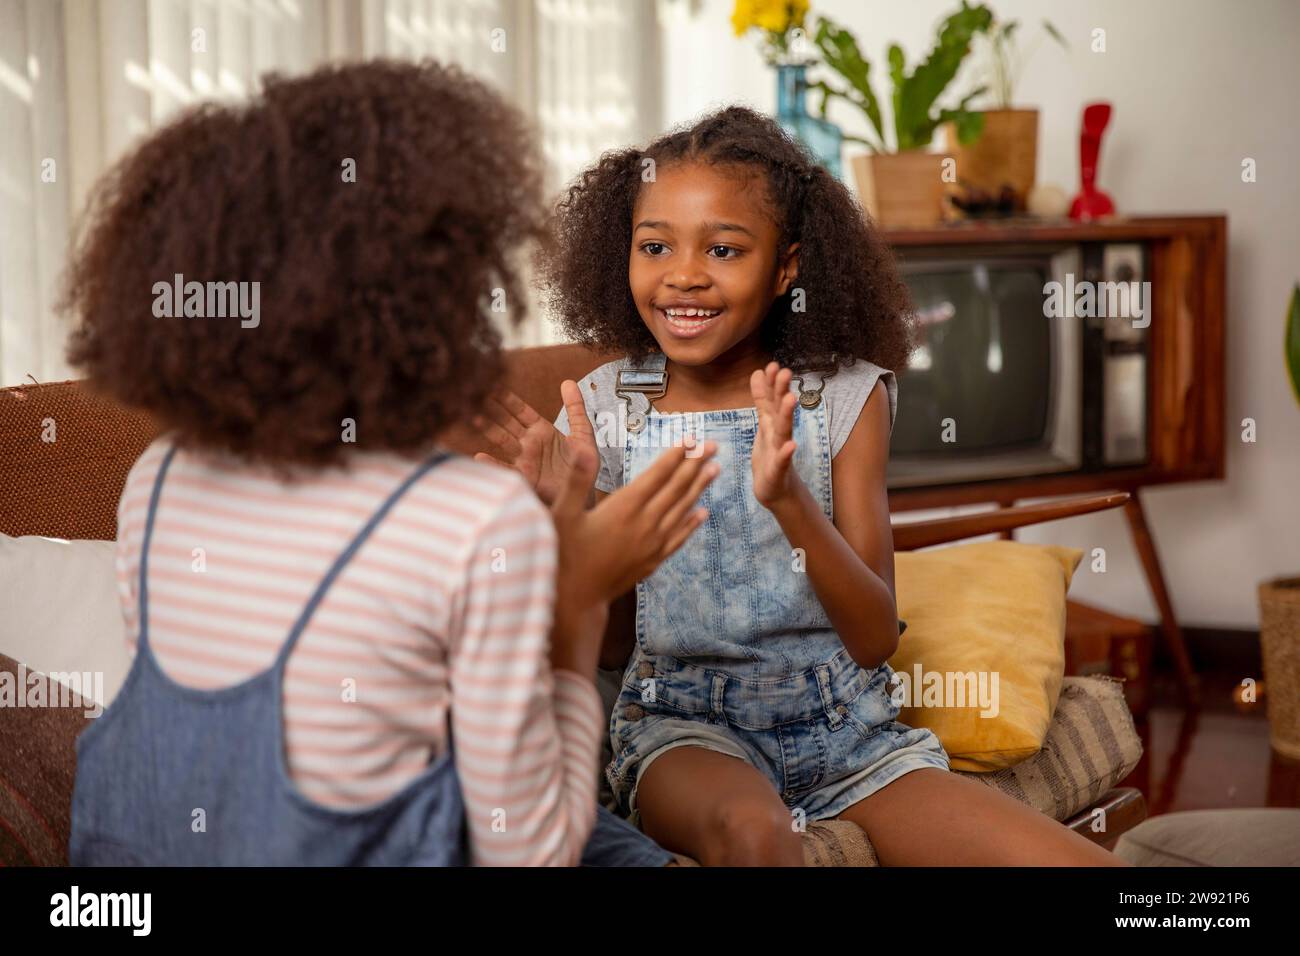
{"points": [[987, 614]]}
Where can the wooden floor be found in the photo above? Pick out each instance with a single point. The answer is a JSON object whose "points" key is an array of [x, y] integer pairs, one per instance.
{"points": [[1217, 757]]}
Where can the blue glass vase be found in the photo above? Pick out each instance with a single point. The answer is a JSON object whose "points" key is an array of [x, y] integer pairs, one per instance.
{"points": [[822, 137]]}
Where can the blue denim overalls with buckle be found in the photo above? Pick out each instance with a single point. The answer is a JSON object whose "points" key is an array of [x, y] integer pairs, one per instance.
{"points": [[171, 775], [734, 651]]}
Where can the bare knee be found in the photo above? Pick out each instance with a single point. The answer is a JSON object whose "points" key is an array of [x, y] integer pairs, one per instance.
{"points": [[1073, 849], [750, 833], [1092, 854]]}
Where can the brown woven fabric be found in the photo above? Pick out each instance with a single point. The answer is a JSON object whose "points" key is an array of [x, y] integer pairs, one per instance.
{"points": [[67, 487], [837, 843], [38, 759]]}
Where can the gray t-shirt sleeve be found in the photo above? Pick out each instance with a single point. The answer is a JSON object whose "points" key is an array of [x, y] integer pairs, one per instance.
{"points": [[597, 389], [846, 395]]}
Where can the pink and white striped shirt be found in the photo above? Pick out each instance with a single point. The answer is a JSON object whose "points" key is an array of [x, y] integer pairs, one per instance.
{"points": [[443, 615]]}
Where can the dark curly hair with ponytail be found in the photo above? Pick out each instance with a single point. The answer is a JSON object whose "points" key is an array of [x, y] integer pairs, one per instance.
{"points": [[857, 305], [379, 206]]}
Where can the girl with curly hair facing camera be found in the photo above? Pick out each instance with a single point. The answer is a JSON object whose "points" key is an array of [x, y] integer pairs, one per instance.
{"points": [[756, 307], [351, 646]]}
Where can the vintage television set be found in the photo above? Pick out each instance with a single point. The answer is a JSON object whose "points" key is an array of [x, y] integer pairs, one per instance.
{"points": [[1059, 357], [1031, 359]]}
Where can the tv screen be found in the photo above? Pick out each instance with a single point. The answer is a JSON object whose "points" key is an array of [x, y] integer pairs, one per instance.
{"points": [[984, 359]]}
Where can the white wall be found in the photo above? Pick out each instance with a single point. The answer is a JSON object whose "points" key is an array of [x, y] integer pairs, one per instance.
{"points": [[1197, 86]]}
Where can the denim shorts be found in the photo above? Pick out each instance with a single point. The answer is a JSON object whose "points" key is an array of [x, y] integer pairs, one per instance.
{"points": [[826, 738]]}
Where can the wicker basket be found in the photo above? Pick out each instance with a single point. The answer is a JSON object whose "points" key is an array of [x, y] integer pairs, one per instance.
{"points": [[1279, 635]]}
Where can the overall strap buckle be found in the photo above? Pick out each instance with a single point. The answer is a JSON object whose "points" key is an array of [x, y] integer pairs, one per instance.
{"points": [[812, 397], [808, 397], [652, 383]]}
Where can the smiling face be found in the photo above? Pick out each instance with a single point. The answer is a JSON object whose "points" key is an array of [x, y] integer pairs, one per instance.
{"points": [[703, 267]]}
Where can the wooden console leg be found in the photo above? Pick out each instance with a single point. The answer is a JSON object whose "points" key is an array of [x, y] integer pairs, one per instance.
{"points": [[1173, 634]]}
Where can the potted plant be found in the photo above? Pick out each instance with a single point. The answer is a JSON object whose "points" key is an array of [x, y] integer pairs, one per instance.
{"points": [[1000, 167], [902, 184], [1279, 604], [785, 48]]}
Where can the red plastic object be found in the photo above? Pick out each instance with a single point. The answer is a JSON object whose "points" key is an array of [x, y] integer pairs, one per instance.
{"points": [[1091, 203]]}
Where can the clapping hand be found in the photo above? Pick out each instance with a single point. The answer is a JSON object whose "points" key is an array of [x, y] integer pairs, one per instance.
{"points": [[773, 453], [527, 442]]}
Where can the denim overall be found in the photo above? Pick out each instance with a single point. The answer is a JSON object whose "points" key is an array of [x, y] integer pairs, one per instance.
{"points": [[734, 651], [177, 776]]}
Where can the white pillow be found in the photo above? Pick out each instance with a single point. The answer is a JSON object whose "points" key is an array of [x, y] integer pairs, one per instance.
{"points": [[59, 611]]}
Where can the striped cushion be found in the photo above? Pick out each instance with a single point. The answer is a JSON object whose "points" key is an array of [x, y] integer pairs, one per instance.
{"points": [[1090, 746]]}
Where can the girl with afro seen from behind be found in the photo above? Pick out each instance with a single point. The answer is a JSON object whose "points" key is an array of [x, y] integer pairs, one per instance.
{"points": [[755, 306], [351, 646]]}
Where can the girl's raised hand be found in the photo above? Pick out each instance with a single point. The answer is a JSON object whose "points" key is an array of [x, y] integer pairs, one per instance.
{"points": [[530, 444], [774, 478]]}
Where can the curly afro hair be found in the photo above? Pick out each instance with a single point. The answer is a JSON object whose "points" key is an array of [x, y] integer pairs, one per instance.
{"points": [[377, 205], [857, 305]]}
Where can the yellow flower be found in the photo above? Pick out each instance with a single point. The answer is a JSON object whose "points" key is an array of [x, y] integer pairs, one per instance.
{"points": [[742, 16], [774, 16]]}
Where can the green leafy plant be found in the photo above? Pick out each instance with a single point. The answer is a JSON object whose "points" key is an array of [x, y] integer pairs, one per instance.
{"points": [[1291, 345], [914, 95], [1005, 61]]}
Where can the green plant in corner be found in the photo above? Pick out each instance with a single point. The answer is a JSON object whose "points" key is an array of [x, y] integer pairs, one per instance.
{"points": [[914, 94], [1292, 341]]}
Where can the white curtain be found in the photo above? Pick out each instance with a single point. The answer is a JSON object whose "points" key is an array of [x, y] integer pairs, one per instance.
{"points": [[34, 171], [82, 80]]}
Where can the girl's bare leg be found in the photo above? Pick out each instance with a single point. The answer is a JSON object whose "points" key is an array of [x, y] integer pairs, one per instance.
{"points": [[933, 817], [716, 809]]}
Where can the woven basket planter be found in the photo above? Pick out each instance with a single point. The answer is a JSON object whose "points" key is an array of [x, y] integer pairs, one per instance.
{"points": [[1006, 153], [901, 190], [1279, 635]]}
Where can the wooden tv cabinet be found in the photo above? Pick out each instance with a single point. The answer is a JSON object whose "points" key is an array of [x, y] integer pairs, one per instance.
{"points": [[1186, 427]]}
